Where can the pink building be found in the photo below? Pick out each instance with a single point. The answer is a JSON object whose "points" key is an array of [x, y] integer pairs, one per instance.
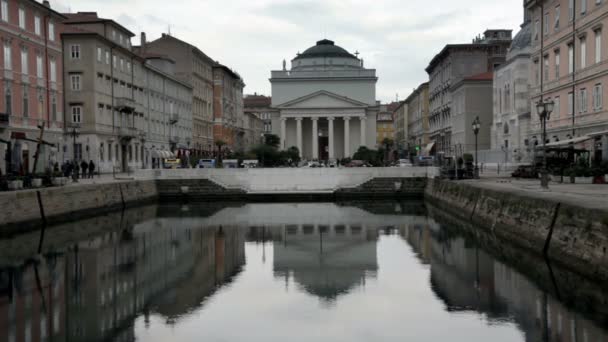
{"points": [[570, 67], [31, 84]]}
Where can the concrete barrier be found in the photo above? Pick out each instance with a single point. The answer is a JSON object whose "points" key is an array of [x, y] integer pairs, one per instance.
{"points": [[289, 180]]}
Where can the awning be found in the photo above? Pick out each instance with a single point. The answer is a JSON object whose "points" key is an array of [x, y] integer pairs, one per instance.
{"points": [[162, 154], [597, 134], [567, 142], [429, 147]]}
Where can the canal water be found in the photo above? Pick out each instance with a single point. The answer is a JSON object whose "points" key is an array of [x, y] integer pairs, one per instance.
{"points": [[382, 271]]}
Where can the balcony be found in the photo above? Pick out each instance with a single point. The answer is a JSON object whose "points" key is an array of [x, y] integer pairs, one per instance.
{"points": [[174, 118], [128, 133], [4, 120], [174, 139], [125, 104]]}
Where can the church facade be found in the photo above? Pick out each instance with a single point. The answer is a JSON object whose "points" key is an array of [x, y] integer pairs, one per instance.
{"points": [[326, 103]]}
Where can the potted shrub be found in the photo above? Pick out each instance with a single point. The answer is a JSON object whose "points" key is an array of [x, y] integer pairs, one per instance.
{"points": [[36, 182], [583, 174], [571, 174], [598, 175], [15, 183]]}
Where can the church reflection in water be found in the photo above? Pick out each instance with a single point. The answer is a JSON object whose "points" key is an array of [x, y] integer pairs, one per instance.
{"points": [[168, 263]]}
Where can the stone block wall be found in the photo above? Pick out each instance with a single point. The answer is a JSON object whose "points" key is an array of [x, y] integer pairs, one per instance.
{"points": [[386, 187], [196, 189], [576, 237], [21, 207]]}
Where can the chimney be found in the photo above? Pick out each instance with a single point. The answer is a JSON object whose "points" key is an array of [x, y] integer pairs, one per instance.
{"points": [[46, 3], [142, 42]]}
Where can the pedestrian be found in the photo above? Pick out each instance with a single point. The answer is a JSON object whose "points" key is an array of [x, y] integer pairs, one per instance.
{"points": [[76, 169], [84, 166], [91, 169]]}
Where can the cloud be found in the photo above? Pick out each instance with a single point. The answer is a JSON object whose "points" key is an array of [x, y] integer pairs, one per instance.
{"points": [[396, 37]]}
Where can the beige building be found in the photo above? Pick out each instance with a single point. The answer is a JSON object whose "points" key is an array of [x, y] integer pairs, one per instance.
{"points": [[453, 63], [196, 68], [418, 120], [400, 123], [130, 112], [569, 67], [385, 124], [228, 111]]}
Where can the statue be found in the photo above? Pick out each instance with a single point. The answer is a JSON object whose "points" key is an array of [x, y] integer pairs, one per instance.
{"points": [[284, 65]]}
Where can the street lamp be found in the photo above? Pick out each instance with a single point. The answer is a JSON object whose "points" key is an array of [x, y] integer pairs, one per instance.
{"points": [[476, 126], [74, 134], [263, 136], [544, 110]]}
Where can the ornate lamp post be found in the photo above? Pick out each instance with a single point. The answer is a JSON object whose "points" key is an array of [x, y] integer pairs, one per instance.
{"points": [[544, 110], [74, 134], [263, 139], [476, 127]]}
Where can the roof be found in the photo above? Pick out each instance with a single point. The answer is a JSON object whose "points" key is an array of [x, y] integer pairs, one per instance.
{"points": [[197, 50], [44, 6], [227, 70], [325, 48], [90, 18], [416, 92], [259, 101], [486, 76]]}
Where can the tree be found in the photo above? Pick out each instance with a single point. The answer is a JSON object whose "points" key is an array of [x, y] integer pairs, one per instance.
{"points": [[388, 144], [293, 154], [272, 140], [219, 143]]}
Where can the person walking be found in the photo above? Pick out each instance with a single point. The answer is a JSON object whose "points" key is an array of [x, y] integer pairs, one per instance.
{"points": [[76, 169], [84, 166], [91, 169]]}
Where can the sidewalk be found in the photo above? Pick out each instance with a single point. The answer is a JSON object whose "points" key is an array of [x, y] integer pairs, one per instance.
{"points": [[593, 196], [102, 179]]}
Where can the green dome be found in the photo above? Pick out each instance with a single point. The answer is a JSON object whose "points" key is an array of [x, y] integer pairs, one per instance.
{"points": [[325, 48]]}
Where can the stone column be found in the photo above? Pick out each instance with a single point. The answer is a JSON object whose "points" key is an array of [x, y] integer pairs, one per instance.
{"points": [[283, 132], [363, 123], [330, 124], [315, 138], [346, 137], [605, 147], [299, 135]]}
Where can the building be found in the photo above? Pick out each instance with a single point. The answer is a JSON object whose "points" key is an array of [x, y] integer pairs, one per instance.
{"points": [[452, 63], [254, 130], [326, 102], [569, 67], [192, 66], [31, 85], [471, 98], [511, 122], [228, 114], [400, 123], [260, 105], [418, 121], [385, 125], [129, 110]]}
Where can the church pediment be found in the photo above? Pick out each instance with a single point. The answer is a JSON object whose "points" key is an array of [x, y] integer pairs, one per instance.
{"points": [[323, 99]]}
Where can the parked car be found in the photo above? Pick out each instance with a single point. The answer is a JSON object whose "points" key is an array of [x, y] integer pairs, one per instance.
{"points": [[357, 163], [404, 163], [426, 160], [525, 171], [206, 163], [172, 163]]}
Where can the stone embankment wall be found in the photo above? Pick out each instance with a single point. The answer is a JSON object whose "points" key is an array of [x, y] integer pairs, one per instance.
{"points": [[574, 237], [21, 209]]}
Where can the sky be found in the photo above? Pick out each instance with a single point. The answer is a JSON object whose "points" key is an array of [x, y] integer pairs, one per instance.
{"points": [[398, 38]]}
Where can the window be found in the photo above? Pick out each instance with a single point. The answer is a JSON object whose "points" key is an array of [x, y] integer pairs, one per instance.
{"points": [[129, 66], [39, 66], [583, 6], [537, 72], [53, 70], [75, 82], [122, 62], [54, 107], [120, 38], [24, 62], [113, 35], [75, 51], [109, 151], [546, 67], [597, 97], [37, 30], [8, 63], [570, 103], [598, 2], [582, 100], [107, 57], [556, 107], [99, 55], [557, 14], [22, 18], [76, 114], [536, 29], [570, 58], [26, 101], [546, 24], [114, 61], [51, 31], [8, 100], [570, 10], [598, 46], [4, 10], [583, 42], [557, 62]]}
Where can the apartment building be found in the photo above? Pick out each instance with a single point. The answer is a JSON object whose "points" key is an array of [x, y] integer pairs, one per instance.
{"points": [[260, 106], [228, 108], [569, 67], [129, 111], [192, 66], [453, 63], [385, 125], [31, 85], [418, 120]]}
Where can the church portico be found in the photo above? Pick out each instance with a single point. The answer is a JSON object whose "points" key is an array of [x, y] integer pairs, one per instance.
{"points": [[324, 102]]}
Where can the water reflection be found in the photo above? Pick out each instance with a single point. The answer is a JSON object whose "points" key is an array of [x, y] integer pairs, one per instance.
{"points": [[270, 272]]}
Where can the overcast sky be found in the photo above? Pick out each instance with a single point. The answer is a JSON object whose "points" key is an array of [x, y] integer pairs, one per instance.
{"points": [[396, 37]]}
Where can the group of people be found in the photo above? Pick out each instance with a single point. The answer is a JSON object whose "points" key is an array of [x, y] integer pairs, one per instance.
{"points": [[84, 169]]}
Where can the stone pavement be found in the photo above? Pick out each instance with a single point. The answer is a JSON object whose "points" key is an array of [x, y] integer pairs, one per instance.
{"points": [[592, 196], [102, 179]]}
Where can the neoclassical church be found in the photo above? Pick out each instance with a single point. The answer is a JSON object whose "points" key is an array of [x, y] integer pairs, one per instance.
{"points": [[326, 103]]}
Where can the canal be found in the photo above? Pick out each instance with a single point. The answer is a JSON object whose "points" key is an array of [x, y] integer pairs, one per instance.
{"points": [[378, 271]]}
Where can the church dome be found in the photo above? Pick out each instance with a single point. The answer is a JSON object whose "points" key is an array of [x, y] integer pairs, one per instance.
{"points": [[522, 42], [325, 48]]}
